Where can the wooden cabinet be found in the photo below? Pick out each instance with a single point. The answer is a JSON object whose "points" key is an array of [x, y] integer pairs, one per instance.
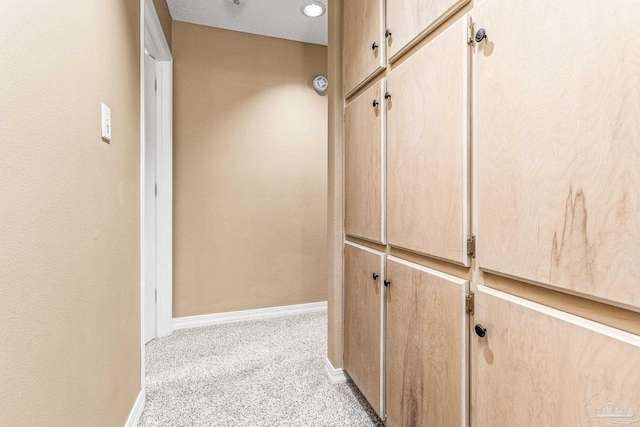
{"points": [[558, 145], [363, 298], [426, 347], [408, 20], [537, 366], [365, 165], [428, 149], [556, 203], [363, 42]]}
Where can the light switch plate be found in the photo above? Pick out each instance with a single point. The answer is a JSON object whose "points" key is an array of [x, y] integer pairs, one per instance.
{"points": [[106, 123]]}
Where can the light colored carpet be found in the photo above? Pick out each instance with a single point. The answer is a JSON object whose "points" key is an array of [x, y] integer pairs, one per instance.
{"points": [[249, 374]]}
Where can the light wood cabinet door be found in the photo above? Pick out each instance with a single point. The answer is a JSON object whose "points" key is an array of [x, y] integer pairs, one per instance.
{"points": [[409, 20], [365, 165], [426, 347], [537, 366], [558, 144], [427, 149], [362, 320], [362, 28]]}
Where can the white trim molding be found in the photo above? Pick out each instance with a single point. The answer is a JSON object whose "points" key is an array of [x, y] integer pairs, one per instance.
{"points": [[240, 316], [164, 200], [154, 41], [136, 411], [157, 44], [336, 375]]}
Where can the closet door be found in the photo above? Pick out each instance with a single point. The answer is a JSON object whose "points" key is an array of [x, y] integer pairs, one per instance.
{"points": [[364, 165], [427, 149], [363, 292], [558, 143], [409, 20], [537, 366], [426, 347], [363, 44]]}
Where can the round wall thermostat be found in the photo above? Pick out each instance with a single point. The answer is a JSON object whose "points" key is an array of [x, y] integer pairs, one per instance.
{"points": [[320, 84]]}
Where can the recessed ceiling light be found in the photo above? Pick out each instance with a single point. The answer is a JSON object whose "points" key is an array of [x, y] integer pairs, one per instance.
{"points": [[313, 9]]}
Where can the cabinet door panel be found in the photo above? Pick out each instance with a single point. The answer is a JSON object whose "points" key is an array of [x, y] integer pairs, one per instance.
{"points": [[408, 20], [362, 319], [364, 165], [538, 366], [363, 23], [427, 149], [558, 143], [426, 347]]}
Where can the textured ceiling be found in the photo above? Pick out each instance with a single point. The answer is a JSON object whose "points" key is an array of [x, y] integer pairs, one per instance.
{"points": [[274, 18]]}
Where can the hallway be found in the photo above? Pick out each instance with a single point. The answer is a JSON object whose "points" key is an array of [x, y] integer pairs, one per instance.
{"points": [[214, 211]]}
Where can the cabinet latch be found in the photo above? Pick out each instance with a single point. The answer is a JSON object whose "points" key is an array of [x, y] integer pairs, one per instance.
{"points": [[470, 303], [471, 246]]}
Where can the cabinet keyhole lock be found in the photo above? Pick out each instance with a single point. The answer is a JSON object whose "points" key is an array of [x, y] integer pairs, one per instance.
{"points": [[374, 46], [386, 283], [481, 331], [375, 276], [481, 35]]}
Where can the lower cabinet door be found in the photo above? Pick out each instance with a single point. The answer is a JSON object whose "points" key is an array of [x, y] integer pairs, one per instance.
{"points": [[537, 366], [363, 293], [426, 349]]}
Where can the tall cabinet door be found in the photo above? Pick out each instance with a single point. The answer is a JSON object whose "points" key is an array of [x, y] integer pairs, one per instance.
{"points": [[364, 165], [558, 143], [408, 20], [363, 42], [363, 293], [426, 347], [427, 148], [537, 366]]}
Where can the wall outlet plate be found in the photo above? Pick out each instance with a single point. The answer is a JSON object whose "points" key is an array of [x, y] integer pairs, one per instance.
{"points": [[106, 123]]}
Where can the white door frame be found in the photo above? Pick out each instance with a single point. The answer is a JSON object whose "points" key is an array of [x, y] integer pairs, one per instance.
{"points": [[153, 39]]}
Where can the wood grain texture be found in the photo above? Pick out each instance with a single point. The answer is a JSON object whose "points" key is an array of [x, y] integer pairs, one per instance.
{"points": [[433, 263], [606, 314], [362, 26], [408, 20], [371, 245], [542, 367], [427, 149], [362, 314], [335, 185], [558, 142], [425, 348], [364, 166]]}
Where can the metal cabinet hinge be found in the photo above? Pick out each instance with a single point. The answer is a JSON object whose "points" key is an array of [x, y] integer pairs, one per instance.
{"points": [[471, 246], [470, 303], [471, 34]]}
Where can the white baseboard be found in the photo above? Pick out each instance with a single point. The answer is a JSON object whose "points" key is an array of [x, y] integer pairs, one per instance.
{"points": [[136, 412], [240, 316], [336, 375]]}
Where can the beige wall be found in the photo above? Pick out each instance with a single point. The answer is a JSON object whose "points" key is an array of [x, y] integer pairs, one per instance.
{"points": [[69, 213], [250, 171], [165, 18]]}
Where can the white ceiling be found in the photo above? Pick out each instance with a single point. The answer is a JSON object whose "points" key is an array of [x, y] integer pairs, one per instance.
{"points": [[274, 18]]}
